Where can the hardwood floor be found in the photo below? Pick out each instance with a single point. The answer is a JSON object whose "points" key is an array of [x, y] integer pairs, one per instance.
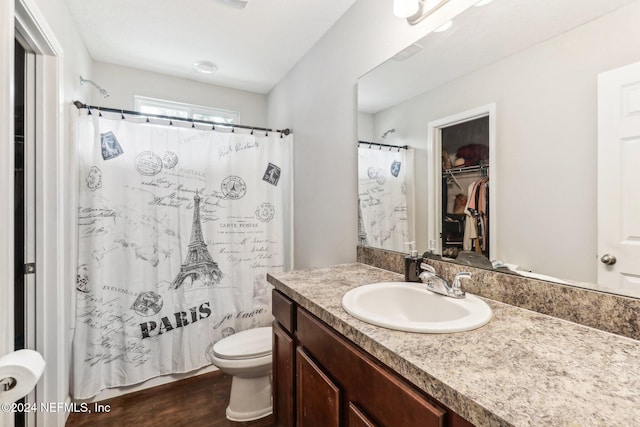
{"points": [[196, 401]]}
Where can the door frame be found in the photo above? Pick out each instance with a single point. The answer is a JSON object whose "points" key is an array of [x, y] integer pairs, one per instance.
{"points": [[7, 165], [434, 177], [50, 309]]}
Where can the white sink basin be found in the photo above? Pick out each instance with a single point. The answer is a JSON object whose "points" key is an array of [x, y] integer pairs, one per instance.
{"points": [[410, 307]]}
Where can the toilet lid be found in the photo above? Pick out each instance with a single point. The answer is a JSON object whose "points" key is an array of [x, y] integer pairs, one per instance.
{"points": [[245, 345]]}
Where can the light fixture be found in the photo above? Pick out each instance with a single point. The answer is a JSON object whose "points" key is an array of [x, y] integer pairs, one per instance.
{"points": [[405, 8], [420, 8], [483, 2], [205, 67], [444, 27]]}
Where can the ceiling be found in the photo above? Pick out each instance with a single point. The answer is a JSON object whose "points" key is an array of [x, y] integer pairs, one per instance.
{"points": [[253, 47], [478, 37]]}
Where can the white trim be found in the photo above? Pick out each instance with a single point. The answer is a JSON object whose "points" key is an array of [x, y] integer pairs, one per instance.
{"points": [[50, 208], [7, 40], [29, 195], [34, 28], [29, 217], [434, 154], [50, 249]]}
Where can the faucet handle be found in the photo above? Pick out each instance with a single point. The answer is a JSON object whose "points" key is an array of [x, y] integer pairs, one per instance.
{"points": [[426, 267], [458, 277]]}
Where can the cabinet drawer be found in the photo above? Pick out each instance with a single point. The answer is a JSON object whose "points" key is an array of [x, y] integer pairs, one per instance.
{"points": [[387, 399], [283, 309]]}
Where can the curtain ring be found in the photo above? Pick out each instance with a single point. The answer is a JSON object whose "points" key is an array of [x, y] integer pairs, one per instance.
{"points": [[252, 131], [193, 124], [148, 121], [122, 114]]}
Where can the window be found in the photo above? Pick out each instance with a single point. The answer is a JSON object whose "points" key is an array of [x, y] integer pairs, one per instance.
{"points": [[163, 107]]}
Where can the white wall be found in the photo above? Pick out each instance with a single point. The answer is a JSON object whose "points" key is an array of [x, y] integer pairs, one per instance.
{"points": [[366, 127], [76, 59], [124, 83], [317, 99], [546, 140]]}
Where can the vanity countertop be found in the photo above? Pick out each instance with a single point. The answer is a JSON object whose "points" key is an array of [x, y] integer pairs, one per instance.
{"points": [[521, 369]]}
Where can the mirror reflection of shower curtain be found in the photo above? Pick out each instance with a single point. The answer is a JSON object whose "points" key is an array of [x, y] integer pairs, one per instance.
{"points": [[385, 197], [177, 228]]}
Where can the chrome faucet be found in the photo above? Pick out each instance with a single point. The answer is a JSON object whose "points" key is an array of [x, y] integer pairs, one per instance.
{"points": [[438, 284]]}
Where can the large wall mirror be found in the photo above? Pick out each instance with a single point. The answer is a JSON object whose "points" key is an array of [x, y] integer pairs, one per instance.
{"points": [[529, 71]]}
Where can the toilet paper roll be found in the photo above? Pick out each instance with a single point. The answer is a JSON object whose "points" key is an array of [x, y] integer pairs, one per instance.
{"points": [[19, 373]]}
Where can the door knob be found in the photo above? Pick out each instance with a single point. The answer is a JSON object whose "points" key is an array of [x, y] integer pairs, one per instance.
{"points": [[608, 259]]}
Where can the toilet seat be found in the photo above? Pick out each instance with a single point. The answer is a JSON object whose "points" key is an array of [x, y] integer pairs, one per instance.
{"points": [[248, 344]]}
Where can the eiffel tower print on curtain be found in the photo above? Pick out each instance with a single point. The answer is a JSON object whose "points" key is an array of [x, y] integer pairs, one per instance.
{"points": [[198, 265]]}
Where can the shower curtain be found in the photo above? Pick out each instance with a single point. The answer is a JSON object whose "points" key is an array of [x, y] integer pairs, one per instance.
{"points": [[177, 228], [384, 183]]}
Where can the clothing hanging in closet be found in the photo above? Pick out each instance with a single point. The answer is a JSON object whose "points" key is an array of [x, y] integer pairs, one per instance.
{"points": [[477, 211]]}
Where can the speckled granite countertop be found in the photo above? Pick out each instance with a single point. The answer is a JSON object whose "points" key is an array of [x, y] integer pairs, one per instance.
{"points": [[522, 369]]}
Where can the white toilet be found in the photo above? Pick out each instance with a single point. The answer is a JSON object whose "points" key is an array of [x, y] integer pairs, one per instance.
{"points": [[246, 356]]}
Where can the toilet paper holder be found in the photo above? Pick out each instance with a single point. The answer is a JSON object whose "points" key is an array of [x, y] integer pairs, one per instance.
{"points": [[7, 383], [20, 371]]}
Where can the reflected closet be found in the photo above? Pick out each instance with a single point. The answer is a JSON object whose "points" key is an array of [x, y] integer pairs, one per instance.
{"points": [[465, 188]]}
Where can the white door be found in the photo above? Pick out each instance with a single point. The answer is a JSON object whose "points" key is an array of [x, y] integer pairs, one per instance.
{"points": [[619, 179]]}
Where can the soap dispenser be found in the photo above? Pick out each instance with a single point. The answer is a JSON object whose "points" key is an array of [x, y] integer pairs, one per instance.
{"points": [[411, 265]]}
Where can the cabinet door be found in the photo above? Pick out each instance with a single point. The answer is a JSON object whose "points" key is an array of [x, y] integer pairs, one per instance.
{"points": [[283, 374], [318, 398]]}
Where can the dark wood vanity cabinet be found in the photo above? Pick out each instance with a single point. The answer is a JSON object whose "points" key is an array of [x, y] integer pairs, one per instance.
{"points": [[320, 379]]}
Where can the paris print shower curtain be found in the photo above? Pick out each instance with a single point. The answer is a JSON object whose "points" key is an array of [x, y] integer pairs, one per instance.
{"points": [[177, 228], [385, 195]]}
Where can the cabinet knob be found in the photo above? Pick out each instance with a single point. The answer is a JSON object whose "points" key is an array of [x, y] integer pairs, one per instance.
{"points": [[608, 259]]}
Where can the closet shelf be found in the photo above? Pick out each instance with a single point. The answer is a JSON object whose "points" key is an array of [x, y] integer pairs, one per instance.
{"points": [[467, 169]]}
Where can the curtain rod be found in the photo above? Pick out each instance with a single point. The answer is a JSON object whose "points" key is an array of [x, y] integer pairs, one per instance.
{"points": [[377, 144], [79, 105]]}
